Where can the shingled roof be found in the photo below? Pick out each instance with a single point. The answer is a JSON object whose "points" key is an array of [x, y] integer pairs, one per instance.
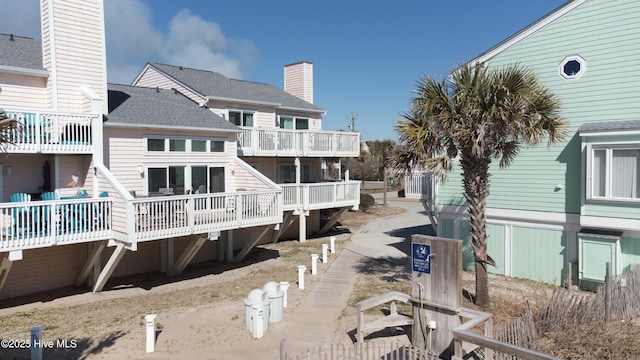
{"points": [[214, 85], [141, 106], [20, 52], [605, 126]]}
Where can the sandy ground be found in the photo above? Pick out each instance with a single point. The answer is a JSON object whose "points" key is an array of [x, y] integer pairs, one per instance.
{"points": [[199, 316]]}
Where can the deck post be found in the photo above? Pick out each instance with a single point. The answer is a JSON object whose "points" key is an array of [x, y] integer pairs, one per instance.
{"points": [[92, 259], [187, 255], [106, 272]]}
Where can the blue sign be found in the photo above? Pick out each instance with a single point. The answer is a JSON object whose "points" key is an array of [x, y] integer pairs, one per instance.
{"points": [[420, 258]]}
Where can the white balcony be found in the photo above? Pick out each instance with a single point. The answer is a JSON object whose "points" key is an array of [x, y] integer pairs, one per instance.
{"points": [[53, 132], [305, 143], [170, 216], [324, 195], [37, 224]]}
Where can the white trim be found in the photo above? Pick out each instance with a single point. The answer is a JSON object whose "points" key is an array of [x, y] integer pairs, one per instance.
{"points": [[592, 133], [52, 53], [23, 71], [602, 222], [515, 215], [577, 58], [508, 249], [526, 32], [609, 148]]}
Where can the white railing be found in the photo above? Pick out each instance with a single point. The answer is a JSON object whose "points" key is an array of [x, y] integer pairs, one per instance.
{"points": [[418, 186], [282, 142], [321, 195], [52, 132], [170, 216], [35, 224]]}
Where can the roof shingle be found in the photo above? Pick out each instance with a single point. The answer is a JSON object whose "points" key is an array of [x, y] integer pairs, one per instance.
{"points": [[142, 106], [21, 52], [212, 84]]}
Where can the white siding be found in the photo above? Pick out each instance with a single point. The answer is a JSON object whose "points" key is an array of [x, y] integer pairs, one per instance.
{"points": [[75, 52], [152, 78], [298, 80], [22, 92]]}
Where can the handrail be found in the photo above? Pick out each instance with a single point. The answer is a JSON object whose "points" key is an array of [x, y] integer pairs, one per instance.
{"points": [[287, 142], [463, 333]]}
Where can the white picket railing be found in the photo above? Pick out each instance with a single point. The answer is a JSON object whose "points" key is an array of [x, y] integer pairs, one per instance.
{"points": [[52, 132], [35, 224], [419, 186], [326, 195], [170, 216], [283, 142]]}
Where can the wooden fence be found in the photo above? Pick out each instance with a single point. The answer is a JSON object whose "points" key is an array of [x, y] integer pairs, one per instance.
{"points": [[367, 351], [617, 299]]}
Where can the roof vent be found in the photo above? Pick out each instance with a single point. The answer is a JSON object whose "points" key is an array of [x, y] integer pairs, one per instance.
{"points": [[11, 37], [181, 68], [157, 89]]}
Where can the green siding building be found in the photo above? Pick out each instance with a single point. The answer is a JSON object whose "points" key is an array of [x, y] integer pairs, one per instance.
{"points": [[559, 213]]}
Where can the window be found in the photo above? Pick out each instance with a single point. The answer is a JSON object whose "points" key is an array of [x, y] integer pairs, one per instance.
{"points": [[166, 177], [178, 145], [241, 118], [198, 145], [572, 67], [290, 122], [155, 144], [615, 173], [207, 179], [216, 146], [288, 174]]}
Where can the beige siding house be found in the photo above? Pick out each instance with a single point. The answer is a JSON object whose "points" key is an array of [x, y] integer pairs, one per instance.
{"points": [[182, 166]]}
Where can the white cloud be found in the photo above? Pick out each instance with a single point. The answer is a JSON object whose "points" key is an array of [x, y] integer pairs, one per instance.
{"points": [[132, 40], [191, 42]]}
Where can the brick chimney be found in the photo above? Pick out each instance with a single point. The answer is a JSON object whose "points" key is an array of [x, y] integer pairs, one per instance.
{"points": [[298, 80]]}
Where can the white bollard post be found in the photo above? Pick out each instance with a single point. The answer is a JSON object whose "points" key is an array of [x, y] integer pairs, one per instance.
{"points": [[324, 253], [284, 286], [332, 239], [301, 270], [314, 264], [36, 343], [150, 321]]}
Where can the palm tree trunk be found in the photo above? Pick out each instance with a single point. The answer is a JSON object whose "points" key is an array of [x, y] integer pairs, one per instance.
{"points": [[476, 190]]}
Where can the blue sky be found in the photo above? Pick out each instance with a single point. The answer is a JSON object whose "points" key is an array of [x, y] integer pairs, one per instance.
{"points": [[367, 56]]}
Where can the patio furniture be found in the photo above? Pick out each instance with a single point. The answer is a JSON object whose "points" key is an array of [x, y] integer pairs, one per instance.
{"points": [[22, 216]]}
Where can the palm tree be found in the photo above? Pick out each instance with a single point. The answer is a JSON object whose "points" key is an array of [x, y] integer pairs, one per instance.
{"points": [[8, 129], [477, 115]]}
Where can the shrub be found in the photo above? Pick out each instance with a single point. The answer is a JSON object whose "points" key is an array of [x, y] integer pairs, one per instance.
{"points": [[366, 201]]}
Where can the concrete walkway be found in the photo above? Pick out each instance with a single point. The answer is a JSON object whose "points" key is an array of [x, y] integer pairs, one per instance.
{"points": [[313, 322]]}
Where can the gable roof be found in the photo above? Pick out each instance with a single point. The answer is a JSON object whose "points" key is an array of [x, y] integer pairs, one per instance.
{"points": [[135, 106], [539, 24], [18, 52], [217, 86]]}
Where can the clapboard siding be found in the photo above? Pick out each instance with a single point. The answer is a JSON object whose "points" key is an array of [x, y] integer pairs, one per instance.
{"points": [[78, 48], [22, 92], [605, 34]]}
